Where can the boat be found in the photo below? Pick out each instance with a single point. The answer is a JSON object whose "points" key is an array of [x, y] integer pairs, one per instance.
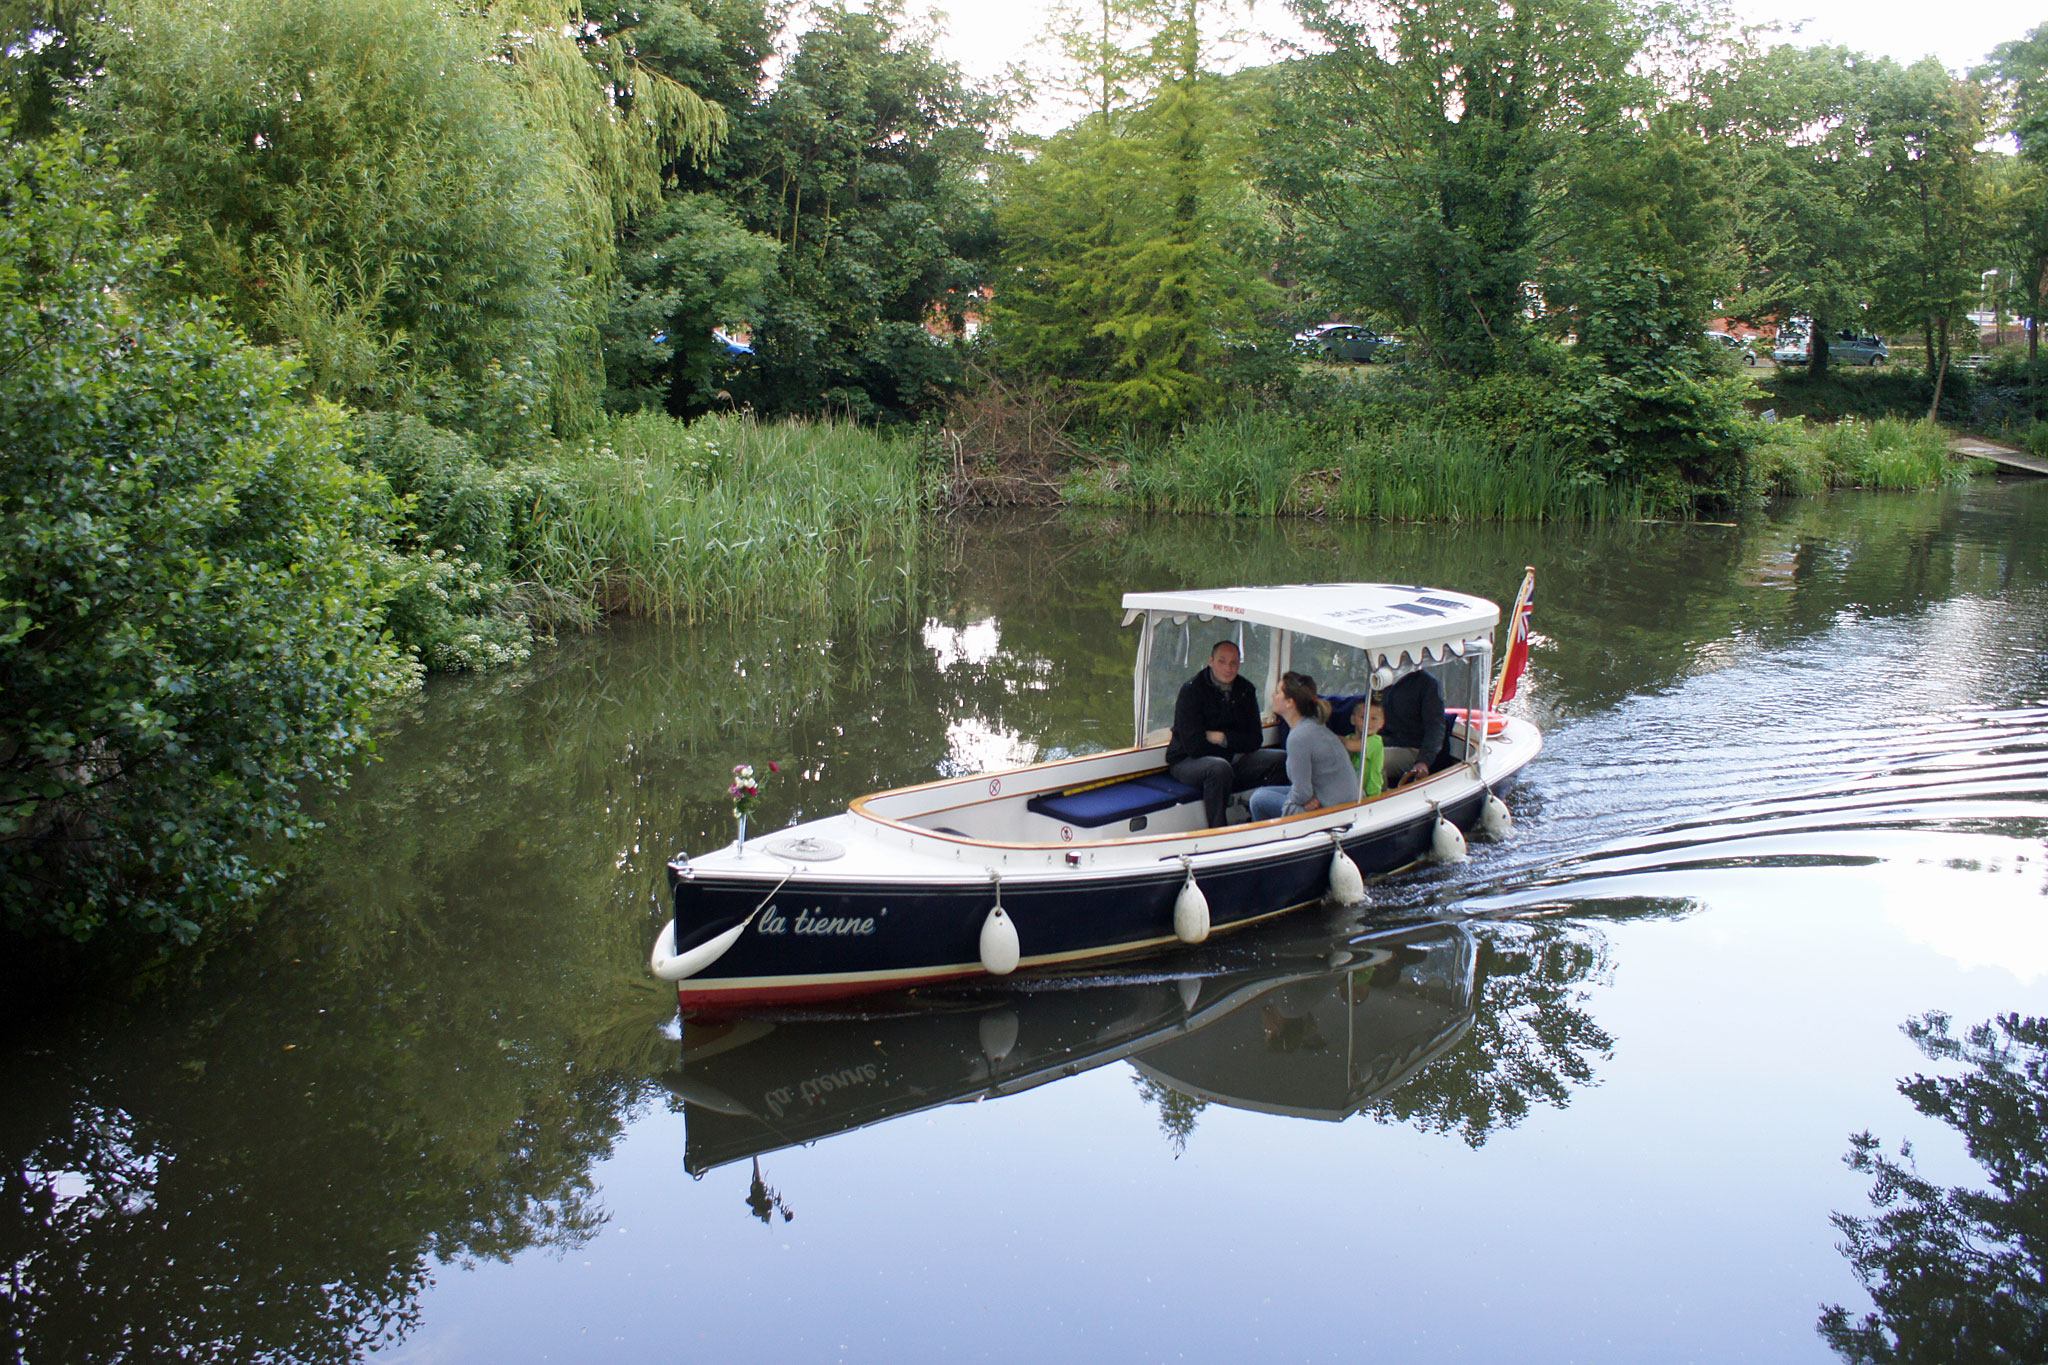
{"points": [[1104, 855]]}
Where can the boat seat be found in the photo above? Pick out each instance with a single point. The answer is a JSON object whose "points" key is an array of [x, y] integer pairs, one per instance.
{"points": [[1123, 799]]}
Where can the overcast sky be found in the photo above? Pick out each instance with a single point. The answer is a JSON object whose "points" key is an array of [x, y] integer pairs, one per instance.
{"points": [[986, 35]]}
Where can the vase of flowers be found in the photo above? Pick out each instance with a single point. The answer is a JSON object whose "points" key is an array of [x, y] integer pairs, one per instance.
{"points": [[745, 791]]}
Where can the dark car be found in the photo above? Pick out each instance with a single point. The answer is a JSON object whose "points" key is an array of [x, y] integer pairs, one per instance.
{"points": [[1346, 341]]}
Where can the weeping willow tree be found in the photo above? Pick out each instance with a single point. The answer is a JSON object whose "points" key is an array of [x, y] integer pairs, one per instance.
{"points": [[420, 199]]}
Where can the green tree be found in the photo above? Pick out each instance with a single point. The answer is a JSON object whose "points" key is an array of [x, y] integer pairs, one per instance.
{"points": [[1639, 252], [1426, 156], [2017, 80], [864, 165], [1816, 206], [191, 578], [1925, 126], [1134, 247], [421, 200], [692, 264]]}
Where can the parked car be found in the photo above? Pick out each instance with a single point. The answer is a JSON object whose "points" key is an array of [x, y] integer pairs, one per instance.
{"points": [[1733, 343], [1346, 341], [1844, 348], [1849, 349]]}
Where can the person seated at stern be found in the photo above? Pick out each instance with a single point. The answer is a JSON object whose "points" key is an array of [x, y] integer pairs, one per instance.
{"points": [[1319, 770], [1217, 734]]}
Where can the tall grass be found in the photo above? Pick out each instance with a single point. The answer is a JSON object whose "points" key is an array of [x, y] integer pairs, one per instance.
{"points": [[725, 516], [1269, 465], [1797, 458]]}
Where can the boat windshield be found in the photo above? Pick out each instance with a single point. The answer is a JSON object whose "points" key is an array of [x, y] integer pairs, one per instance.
{"points": [[1180, 649]]}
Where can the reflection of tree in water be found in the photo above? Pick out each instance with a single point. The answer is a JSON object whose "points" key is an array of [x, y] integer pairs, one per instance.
{"points": [[1177, 1111], [1957, 1274], [272, 1169], [1532, 1041]]}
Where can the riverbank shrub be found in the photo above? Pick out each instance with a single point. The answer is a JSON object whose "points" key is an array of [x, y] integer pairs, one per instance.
{"points": [[727, 516], [192, 579], [1797, 458], [465, 589], [1867, 394]]}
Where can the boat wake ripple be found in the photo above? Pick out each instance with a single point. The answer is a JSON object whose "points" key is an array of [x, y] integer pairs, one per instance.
{"points": [[1968, 791]]}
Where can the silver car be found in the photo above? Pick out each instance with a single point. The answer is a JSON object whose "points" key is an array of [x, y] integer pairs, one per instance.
{"points": [[1856, 350], [1734, 343], [1843, 349]]}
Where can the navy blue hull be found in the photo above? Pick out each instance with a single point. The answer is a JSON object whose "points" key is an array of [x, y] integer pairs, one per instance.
{"points": [[820, 939]]}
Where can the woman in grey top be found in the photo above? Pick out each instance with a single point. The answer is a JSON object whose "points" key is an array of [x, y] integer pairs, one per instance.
{"points": [[1319, 769]]}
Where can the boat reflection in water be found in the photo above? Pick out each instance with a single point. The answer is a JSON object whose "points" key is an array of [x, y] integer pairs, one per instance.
{"points": [[1320, 1027]]}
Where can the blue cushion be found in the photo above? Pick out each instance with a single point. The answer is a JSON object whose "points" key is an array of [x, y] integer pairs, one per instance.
{"points": [[1097, 806]]}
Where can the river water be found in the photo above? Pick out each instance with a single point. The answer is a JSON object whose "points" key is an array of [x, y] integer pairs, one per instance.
{"points": [[1623, 1088]]}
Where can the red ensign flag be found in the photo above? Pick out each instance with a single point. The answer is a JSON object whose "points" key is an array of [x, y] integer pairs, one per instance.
{"points": [[1518, 642]]}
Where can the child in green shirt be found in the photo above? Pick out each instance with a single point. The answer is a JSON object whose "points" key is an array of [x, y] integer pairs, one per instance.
{"points": [[1367, 720]]}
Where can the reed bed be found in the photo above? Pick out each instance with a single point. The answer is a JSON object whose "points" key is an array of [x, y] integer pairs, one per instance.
{"points": [[1797, 458], [1262, 465], [726, 517]]}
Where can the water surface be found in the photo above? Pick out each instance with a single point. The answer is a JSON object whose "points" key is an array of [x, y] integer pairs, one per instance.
{"points": [[1588, 1097]]}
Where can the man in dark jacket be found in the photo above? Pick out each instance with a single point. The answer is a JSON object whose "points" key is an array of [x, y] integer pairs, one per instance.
{"points": [[1217, 736], [1416, 731]]}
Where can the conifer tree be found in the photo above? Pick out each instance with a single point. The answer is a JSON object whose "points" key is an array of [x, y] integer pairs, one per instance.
{"points": [[1131, 242]]}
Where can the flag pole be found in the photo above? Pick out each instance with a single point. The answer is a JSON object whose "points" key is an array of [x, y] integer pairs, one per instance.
{"points": [[1516, 655]]}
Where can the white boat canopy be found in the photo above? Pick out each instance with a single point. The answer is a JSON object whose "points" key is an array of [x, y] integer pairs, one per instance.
{"points": [[1398, 625]]}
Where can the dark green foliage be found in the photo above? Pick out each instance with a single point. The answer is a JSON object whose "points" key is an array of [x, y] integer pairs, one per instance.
{"points": [[1956, 1272], [1427, 154], [1868, 393], [191, 578], [2016, 83], [1640, 393], [862, 163], [684, 269], [463, 592]]}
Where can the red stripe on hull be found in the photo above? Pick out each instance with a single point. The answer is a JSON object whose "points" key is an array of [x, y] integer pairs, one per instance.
{"points": [[700, 1002]]}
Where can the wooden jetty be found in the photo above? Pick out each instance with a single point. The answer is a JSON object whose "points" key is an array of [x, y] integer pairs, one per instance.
{"points": [[2009, 459]]}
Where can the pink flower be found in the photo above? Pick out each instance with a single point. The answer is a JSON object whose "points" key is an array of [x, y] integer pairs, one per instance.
{"points": [[772, 768]]}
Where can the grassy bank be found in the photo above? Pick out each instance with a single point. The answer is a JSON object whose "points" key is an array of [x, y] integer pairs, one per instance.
{"points": [[1797, 458], [1271, 465], [726, 516], [1274, 465]]}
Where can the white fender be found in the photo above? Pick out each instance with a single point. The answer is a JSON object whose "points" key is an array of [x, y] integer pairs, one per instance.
{"points": [[1347, 883], [1494, 818], [1191, 912], [1447, 845], [1190, 992], [998, 1035], [669, 965], [1000, 952]]}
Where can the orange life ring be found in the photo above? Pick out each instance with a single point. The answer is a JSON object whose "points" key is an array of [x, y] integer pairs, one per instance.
{"points": [[1495, 721]]}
